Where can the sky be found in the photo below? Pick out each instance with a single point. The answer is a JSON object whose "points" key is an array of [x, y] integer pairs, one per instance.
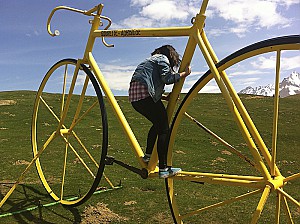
{"points": [[28, 51]]}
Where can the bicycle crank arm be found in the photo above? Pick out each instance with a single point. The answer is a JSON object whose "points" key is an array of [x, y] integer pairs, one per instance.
{"points": [[142, 172]]}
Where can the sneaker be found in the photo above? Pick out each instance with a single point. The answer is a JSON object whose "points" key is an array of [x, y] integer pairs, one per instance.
{"points": [[168, 172], [146, 158]]}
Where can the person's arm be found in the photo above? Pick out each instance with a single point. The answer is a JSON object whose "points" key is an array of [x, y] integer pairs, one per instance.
{"points": [[186, 72], [167, 74]]}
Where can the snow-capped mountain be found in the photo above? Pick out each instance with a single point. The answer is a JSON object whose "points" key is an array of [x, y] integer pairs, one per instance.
{"points": [[289, 86]]}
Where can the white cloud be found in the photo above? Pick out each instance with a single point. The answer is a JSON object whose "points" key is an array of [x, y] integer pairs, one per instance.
{"points": [[240, 30], [141, 2], [216, 32], [286, 63], [256, 14], [287, 3], [159, 13], [117, 76], [134, 21], [246, 81], [165, 10], [245, 72], [33, 33], [211, 87]]}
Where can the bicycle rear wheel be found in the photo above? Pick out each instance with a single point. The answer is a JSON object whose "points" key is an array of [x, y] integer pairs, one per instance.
{"points": [[229, 178], [69, 132]]}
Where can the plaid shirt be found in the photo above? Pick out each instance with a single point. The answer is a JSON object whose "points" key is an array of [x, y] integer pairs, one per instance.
{"points": [[137, 91]]}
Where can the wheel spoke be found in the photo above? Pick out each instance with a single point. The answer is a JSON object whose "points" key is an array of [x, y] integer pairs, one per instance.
{"points": [[52, 112], [287, 211], [278, 204], [222, 179], [70, 94], [292, 177], [64, 172], [261, 204], [76, 121], [78, 156], [48, 141], [85, 149], [219, 204], [64, 90], [35, 158], [49, 109], [80, 102], [286, 195], [275, 116]]}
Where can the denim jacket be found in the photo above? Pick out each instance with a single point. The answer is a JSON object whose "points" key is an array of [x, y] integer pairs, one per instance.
{"points": [[154, 73]]}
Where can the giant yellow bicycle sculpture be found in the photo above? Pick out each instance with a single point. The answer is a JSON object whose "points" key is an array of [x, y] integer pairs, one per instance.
{"points": [[78, 123]]}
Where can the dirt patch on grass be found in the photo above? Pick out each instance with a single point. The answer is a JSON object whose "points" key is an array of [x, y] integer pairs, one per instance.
{"points": [[4, 139], [225, 152], [130, 203], [7, 102], [100, 214], [217, 160], [254, 97], [21, 162]]}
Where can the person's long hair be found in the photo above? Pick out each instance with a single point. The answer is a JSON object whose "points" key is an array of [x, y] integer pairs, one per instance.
{"points": [[171, 53]]}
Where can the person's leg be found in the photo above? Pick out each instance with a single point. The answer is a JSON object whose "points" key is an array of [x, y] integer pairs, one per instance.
{"points": [[163, 135], [157, 114], [151, 139], [141, 106]]}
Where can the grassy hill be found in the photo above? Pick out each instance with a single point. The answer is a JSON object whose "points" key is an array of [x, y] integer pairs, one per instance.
{"points": [[145, 201]]}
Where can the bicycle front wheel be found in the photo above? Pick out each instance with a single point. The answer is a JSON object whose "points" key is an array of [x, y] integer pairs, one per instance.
{"points": [[228, 157], [69, 132]]}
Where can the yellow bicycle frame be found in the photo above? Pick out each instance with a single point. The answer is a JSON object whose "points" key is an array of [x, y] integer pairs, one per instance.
{"points": [[196, 36]]}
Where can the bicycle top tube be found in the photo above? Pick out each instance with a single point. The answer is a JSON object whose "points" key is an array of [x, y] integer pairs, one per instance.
{"points": [[98, 10]]}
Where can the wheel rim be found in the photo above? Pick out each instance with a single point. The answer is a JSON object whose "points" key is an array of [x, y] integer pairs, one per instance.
{"points": [[182, 201], [72, 151]]}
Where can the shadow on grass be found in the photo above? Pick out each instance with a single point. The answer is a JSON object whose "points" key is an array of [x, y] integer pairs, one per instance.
{"points": [[28, 204]]}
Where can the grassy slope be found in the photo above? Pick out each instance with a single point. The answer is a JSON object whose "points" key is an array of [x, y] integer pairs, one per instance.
{"points": [[142, 201]]}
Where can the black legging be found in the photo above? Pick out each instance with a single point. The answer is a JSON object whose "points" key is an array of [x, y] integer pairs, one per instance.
{"points": [[157, 114]]}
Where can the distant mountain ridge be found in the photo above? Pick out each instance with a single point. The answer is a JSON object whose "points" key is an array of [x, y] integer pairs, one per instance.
{"points": [[289, 86]]}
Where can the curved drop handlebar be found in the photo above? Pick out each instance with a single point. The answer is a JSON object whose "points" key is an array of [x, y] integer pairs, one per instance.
{"points": [[88, 13], [91, 12]]}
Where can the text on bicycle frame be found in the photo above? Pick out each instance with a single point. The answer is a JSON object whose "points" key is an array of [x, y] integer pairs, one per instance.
{"points": [[120, 33]]}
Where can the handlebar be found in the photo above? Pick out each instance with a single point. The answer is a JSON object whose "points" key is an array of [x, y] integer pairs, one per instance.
{"points": [[88, 13], [91, 12]]}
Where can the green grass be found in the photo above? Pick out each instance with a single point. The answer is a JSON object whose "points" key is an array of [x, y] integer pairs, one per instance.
{"points": [[145, 201]]}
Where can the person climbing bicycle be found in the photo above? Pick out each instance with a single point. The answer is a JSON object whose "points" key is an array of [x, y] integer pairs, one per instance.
{"points": [[146, 95]]}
